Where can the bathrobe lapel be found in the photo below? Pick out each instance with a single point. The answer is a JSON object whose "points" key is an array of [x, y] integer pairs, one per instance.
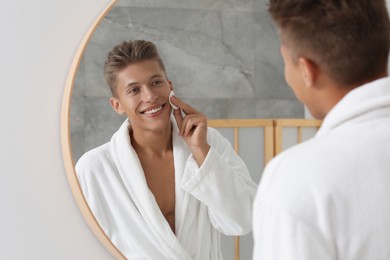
{"points": [[180, 155], [132, 175]]}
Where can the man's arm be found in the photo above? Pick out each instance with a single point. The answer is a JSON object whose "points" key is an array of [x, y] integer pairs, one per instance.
{"points": [[223, 184], [215, 174]]}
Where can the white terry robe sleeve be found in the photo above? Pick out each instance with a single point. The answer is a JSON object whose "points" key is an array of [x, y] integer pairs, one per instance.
{"points": [[278, 232], [279, 235], [223, 184]]}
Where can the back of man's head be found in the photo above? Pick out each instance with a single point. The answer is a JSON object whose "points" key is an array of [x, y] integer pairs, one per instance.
{"points": [[348, 39], [126, 53]]}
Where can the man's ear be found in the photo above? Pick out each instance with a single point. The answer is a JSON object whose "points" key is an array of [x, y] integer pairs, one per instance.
{"points": [[309, 71], [116, 105], [170, 84]]}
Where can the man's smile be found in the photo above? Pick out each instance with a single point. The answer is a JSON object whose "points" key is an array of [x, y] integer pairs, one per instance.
{"points": [[152, 110]]}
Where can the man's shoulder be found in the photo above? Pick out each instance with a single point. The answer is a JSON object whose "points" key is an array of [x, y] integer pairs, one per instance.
{"points": [[217, 140], [213, 132], [303, 166], [318, 150], [94, 159], [292, 177], [215, 136]]}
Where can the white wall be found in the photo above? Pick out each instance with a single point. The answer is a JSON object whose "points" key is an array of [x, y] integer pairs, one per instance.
{"points": [[39, 218]]}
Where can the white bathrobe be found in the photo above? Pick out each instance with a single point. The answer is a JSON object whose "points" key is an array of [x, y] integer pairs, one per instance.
{"points": [[329, 197], [217, 197]]}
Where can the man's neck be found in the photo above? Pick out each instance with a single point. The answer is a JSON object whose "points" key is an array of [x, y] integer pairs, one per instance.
{"points": [[336, 93], [152, 143], [332, 97]]}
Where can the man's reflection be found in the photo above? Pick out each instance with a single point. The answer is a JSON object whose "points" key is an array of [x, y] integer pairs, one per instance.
{"points": [[165, 185]]}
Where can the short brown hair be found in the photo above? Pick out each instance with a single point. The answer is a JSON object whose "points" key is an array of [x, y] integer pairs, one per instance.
{"points": [[126, 53], [349, 39]]}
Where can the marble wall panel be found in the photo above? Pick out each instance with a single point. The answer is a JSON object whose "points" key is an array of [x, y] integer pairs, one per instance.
{"points": [[278, 108], [221, 55], [101, 121], [77, 123], [238, 5]]}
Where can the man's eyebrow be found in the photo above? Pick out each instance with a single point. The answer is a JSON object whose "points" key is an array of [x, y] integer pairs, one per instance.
{"points": [[131, 84], [136, 82], [156, 76]]}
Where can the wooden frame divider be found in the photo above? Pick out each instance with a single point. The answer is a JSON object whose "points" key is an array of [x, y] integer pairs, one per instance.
{"points": [[279, 124]]}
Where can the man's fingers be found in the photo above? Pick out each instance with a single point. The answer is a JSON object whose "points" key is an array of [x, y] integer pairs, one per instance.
{"points": [[190, 123], [188, 127], [179, 118], [187, 109]]}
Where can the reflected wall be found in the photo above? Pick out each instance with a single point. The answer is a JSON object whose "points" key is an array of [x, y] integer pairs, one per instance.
{"points": [[222, 56]]}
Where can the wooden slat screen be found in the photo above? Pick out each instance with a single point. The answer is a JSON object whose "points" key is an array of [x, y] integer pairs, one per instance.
{"points": [[273, 138]]}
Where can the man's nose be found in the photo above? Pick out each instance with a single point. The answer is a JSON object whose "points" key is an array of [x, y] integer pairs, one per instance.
{"points": [[148, 95]]}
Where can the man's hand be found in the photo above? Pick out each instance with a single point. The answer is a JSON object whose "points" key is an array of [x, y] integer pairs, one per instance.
{"points": [[193, 128]]}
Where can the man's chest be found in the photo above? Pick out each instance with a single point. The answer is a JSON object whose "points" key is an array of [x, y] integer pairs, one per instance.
{"points": [[160, 177]]}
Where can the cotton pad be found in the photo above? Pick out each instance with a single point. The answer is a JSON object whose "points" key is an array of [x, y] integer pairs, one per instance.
{"points": [[172, 105]]}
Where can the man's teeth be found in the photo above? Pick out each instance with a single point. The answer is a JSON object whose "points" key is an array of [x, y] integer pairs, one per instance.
{"points": [[152, 111]]}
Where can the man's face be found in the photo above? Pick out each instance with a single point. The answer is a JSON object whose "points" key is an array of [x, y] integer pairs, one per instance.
{"points": [[294, 72], [143, 90]]}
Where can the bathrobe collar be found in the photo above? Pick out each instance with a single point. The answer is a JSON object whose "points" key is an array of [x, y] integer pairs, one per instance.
{"points": [[358, 104], [131, 172]]}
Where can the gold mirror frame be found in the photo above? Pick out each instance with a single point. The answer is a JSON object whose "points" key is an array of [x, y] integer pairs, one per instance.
{"points": [[66, 144]]}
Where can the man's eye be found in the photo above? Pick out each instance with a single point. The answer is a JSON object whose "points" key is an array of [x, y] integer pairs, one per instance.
{"points": [[133, 90], [157, 82]]}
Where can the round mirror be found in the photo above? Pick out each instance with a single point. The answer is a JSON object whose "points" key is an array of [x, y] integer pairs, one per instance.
{"points": [[222, 57]]}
